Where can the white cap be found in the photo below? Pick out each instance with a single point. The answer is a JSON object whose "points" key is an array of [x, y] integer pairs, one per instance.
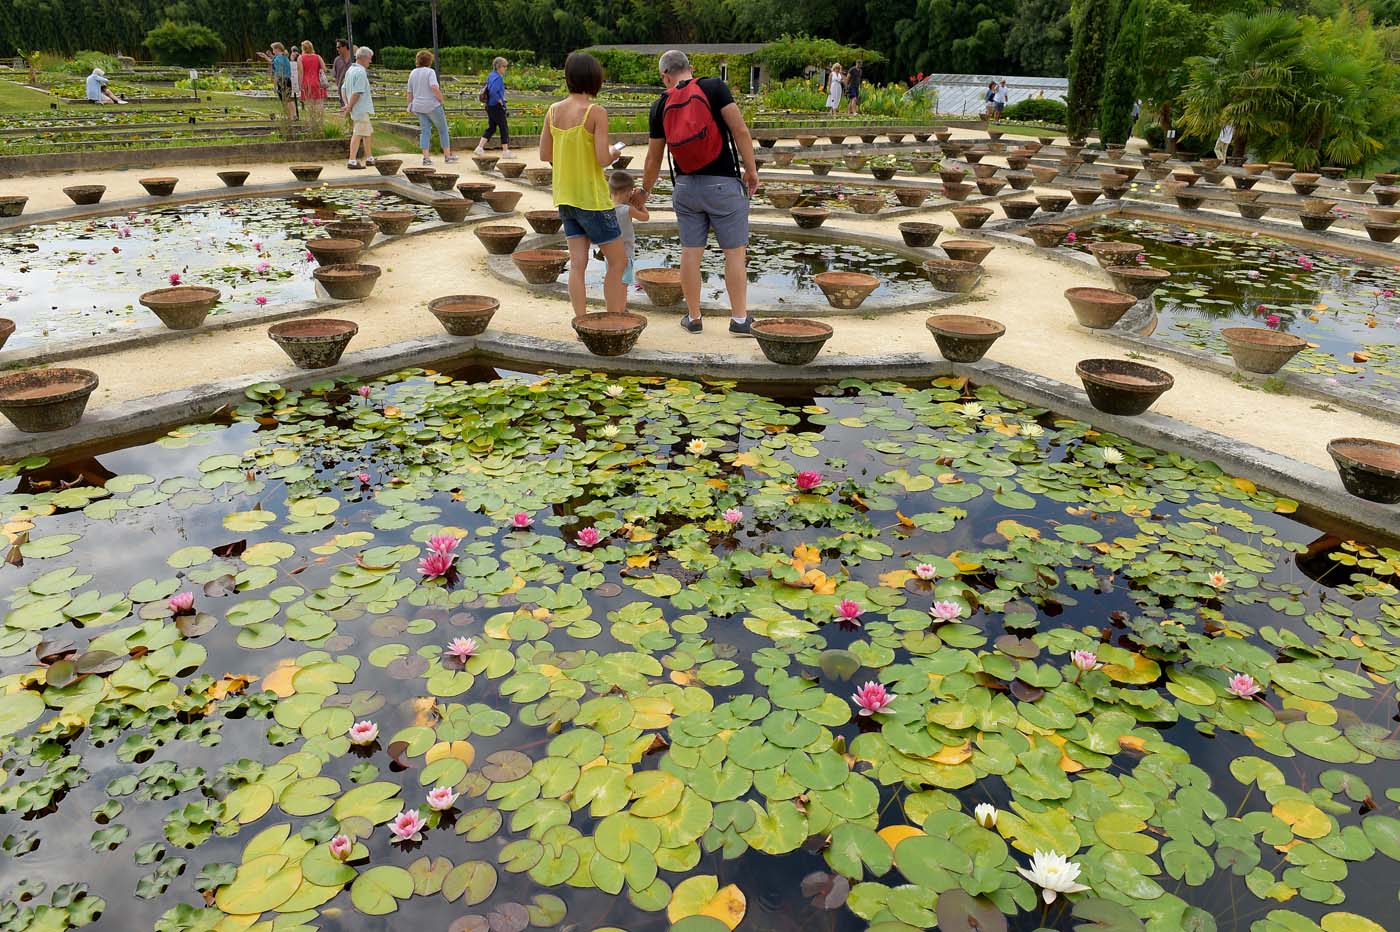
{"points": [[99, 72]]}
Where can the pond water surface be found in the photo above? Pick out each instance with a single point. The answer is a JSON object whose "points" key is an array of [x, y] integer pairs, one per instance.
{"points": [[1342, 304], [654, 727], [81, 278]]}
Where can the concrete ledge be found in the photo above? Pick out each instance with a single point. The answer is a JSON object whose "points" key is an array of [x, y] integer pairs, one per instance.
{"points": [[16, 166], [1318, 489]]}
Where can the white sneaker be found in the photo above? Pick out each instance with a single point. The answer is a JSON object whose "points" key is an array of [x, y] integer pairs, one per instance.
{"points": [[427, 161], [478, 151]]}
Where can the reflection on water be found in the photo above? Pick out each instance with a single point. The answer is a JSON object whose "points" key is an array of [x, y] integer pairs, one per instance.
{"points": [[80, 278], [1341, 304], [672, 703]]}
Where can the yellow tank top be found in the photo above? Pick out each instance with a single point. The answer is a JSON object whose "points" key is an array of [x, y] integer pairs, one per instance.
{"points": [[578, 178]]}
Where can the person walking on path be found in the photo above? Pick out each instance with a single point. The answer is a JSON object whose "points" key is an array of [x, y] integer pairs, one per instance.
{"points": [[1222, 142], [342, 64], [575, 142], [96, 88], [295, 57], [999, 98], [702, 128], [359, 106], [853, 82], [494, 96], [425, 102], [313, 84], [833, 91], [281, 66]]}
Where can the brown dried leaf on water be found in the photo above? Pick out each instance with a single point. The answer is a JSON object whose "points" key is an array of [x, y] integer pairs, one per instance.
{"points": [[826, 891], [49, 651], [192, 626], [221, 586], [232, 549], [470, 924], [1025, 692], [509, 917], [396, 751]]}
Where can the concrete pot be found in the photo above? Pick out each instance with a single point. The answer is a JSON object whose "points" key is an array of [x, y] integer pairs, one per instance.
{"points": [[963, 337], [159, 187], [392, 222], [1382, 232], [836, 140], [485, 163], [990, 186], [183, 307], [502, 202], [1244, 182], [609, 334], [1052, 203], [540, 266], [85, 194], [662, 286], [952, 175], [846, 290], [809, 218], [783, 157], [1259, 349], [1386, 196], [442, 181], [1112, 253], [856, 162], [1121, 386], [1369, 469], [306, 172], [500, 239], [1085, 196], [1019, 181], [475, 190], [967, 250], [362, 230], [1098, 308], [314, 343], [970, 218], [956, 190], [464, 315], [866, 203], [1137, 280], [819, 168], [919, 234], [544, 222], [922, 166], [328, 250], [953, 275], [806, 142], [233, 179], [1047, 235], [984, 171], [791, 341], [1317, 222], [883, 172], [510, 169], [388, 167], [7, 330], [347, 282], [911, 197], [41, 400], [1359, 186], [419, 174], [12, 205], [540, 177], [782, 198], [1251, 211]]}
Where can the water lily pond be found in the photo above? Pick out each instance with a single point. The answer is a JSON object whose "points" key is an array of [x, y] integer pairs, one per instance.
{"points": [[81, 278], [570, 652], [1344, 305], [781, 270]]}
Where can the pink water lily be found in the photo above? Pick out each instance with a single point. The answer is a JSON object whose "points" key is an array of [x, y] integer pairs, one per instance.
{"points": [[1070, 237], [364, 478], [341, 846], [588, 537], [363, 733], [946, 611], [174, 278], [407, 826], [260, 300], [1218, 580], [521, 520], [460, 649], [1084, 659], [1244, 686], [443, 543], [925, 571], [125, 232], [808, 479], [363, 391], [849, 610], [872, 698], [310, 256], [1273, 320], [263, 267], [435, 565], [180, 603], [732, 516], [1252, 274], [441, 798]]}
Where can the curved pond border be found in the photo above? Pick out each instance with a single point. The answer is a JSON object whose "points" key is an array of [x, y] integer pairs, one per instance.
{"points": [[1317, 489], [1135, 330], [51, 352], [502, 268]]}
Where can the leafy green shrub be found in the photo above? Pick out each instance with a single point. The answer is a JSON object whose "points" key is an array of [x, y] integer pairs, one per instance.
{"points": [[794, 94], [187, 44], [790, 55], [455, 59], [1037, 110], [81, 63]]}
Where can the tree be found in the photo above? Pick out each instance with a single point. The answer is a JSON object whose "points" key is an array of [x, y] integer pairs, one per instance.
{"points": [[1093, 22], [1037, 41], [952, 35], [187, 44], [1174, 32], [1120, 84]]}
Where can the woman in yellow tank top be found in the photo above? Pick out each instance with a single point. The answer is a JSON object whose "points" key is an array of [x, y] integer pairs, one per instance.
{"points": [[575, 142]]}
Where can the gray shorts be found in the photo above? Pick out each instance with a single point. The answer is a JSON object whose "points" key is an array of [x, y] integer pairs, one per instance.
{"points": [[711, 202]]}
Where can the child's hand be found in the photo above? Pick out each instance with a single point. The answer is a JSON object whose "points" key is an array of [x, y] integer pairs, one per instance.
{"points": [[638, 198]]}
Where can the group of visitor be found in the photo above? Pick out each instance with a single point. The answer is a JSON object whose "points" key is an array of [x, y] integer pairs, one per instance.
{"points": [[995, 99], [299, 77], [844, 85], [697, 124]]}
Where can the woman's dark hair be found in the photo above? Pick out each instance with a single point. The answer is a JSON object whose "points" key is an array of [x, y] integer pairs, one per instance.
{"points": [[583, 74]]}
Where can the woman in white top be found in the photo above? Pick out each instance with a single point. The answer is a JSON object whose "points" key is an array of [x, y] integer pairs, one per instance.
{"points": [[295, 56], [425, 102], [833, 94]]}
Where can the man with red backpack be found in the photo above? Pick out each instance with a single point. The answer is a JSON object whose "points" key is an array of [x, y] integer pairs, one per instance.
{"points": [[708, 141]]}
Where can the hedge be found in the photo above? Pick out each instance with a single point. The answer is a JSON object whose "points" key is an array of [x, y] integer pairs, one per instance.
{"points": [[1037, 110], [454, 59]]}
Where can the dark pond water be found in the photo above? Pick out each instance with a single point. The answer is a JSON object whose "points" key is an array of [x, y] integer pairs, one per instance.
{"points": [[74, 279], [781, 270], [1342, 304], [660, 724]]}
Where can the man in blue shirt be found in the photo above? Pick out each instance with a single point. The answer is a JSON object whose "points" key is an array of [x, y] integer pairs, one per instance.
{"points": [[97, 89], [496, 107], [359, 104]]}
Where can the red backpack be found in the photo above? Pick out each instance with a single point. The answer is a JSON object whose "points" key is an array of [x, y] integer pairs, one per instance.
{"points": [[688, 122]]}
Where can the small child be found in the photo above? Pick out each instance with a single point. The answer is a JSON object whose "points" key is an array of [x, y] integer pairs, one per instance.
{"points": [[631, 205]]}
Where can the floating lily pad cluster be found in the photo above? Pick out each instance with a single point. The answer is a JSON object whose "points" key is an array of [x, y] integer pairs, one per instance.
{"points": [[74, 279], [646, 653], [1345, 306], [781, 271]]}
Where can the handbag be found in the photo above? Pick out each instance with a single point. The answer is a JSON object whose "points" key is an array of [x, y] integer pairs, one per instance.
{"points": [[484, 96]]}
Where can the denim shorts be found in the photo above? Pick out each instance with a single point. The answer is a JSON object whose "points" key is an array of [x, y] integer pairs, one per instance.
{"points": [[711, 202], [599, 226]]}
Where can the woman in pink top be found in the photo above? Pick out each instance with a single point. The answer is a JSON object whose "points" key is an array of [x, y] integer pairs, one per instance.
{"points": [[313, 86]]}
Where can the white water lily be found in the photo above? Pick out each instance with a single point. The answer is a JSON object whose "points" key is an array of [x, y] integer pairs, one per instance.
{"points": [[1032, 430], [608, 431], [696, 447], [614, 391], [972, 409], [1054, 874], [1112, 455], [986, 815]]}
